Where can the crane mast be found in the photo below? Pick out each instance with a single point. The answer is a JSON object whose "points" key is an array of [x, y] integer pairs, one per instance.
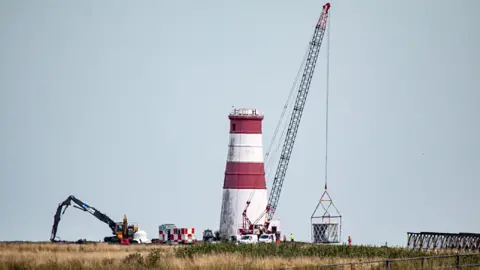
{"points": [[296, 116]]}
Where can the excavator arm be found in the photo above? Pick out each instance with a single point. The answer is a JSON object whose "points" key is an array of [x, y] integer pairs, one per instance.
{"points": [[62, 207]]}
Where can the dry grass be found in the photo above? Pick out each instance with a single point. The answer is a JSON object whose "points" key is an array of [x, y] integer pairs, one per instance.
{"points": [[95, 256], [104, 256], [89, 248]]}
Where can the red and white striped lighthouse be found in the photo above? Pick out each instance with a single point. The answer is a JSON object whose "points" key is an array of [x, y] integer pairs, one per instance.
{"points": [[244, 173]]}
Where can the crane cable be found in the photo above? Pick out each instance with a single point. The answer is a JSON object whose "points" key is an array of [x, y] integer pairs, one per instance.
{"points": [[326, 98], [285, 107], [288, 103], [282, 117]]}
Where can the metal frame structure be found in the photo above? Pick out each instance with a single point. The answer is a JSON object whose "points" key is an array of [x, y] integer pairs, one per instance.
{"points": [[437, 241], [329, 229]]}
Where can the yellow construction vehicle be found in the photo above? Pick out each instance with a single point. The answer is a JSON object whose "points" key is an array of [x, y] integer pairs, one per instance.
{"points": [[123, 232]]}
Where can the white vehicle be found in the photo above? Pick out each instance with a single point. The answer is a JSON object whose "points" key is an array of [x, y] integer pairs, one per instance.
{"points": [[248, 239], [140, 237], [267, 238]]}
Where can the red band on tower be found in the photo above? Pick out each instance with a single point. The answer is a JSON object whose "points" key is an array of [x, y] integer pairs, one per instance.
{"points": [[245, 124], [244, 175]]}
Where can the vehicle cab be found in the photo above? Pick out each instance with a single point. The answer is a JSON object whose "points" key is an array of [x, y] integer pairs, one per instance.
{"points": [[248, 239], [267, 238]]}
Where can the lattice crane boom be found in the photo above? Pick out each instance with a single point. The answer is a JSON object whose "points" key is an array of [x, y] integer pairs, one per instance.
{"points": [[296, 115]]}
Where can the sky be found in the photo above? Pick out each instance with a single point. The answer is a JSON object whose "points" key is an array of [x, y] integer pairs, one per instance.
{"points": [[124, 104]]}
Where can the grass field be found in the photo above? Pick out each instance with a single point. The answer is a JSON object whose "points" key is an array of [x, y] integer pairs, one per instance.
{"points": [[216, 256]]}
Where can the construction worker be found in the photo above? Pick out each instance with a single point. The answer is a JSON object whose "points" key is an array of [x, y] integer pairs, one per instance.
{"points": [[349, 240], [291, 237]]}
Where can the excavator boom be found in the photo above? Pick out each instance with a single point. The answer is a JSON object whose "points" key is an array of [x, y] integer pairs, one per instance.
{"points": [[62, 207]]}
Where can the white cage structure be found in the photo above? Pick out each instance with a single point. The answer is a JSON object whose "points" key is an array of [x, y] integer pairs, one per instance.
{"points": [[326, 228], [326, 232]]}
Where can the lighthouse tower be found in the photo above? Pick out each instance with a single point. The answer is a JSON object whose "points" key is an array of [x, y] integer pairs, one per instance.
{"points": [[244, 173]]}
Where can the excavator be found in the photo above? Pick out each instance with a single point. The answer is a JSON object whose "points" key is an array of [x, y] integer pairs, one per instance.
{"points": [[122, 231]]}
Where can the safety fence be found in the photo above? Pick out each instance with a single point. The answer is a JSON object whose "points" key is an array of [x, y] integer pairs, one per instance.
{"points": [[457, 261]]}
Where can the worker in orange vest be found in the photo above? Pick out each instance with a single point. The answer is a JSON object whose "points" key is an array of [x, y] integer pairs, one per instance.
{"points": [[349, 241]]}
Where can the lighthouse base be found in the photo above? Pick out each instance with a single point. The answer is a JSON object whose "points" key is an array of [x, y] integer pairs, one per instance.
{"points": [[234, 202]]}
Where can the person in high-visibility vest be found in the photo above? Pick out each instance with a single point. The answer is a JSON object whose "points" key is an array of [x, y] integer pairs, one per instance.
{"points": [[292, 239]]}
